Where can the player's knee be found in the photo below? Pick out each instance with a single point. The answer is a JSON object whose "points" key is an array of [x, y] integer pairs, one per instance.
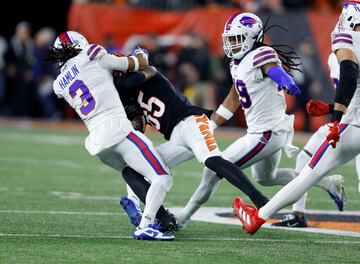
{"points": [[165, 181], [264, 178]]}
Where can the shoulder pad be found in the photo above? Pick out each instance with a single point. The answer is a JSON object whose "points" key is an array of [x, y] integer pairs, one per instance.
{"points": [[95, 51], [264, 55]]}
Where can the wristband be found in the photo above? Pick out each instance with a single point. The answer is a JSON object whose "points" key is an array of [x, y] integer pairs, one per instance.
{"points": [[224, 112], [136, 63]]}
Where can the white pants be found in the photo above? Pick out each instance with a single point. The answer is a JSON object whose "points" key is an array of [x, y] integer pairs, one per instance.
{"points": [[317, 138], [323, 160], [137, 151], [193, 133]]}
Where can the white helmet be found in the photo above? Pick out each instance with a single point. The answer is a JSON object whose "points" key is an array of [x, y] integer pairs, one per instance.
{"points": [[350, 15], [240, 34], [73, 38]]}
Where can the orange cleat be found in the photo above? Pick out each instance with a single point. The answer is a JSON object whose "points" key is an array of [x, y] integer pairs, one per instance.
{"points": [[248, 216]]}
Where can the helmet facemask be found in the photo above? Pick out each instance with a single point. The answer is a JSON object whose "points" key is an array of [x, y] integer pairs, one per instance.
{"points": [[235, 45]]}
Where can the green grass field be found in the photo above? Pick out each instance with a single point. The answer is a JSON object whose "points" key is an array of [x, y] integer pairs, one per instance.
{"points": [[60, 205]]}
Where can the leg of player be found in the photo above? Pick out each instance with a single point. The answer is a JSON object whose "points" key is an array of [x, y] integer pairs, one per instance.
{"points": [[195, 133], [325, 159], [357, 160], [208, 185], [139, 153], [140, 187], [172, 155]]}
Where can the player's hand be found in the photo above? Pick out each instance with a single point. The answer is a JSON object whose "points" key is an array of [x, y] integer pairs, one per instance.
{"points": [[292, 89], [333, 136], [317, 108], [140, 50]]}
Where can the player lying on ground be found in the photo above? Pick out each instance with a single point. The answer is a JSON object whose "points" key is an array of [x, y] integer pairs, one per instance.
{"points": [[86, 83], [342, 142]]}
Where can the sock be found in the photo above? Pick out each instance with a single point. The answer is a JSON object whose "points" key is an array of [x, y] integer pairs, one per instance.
{"points": [[289, 193], [154, 198], [204, 191], [140, 187], [131, 195], [357, 160], [228, 170], [299, 206]]}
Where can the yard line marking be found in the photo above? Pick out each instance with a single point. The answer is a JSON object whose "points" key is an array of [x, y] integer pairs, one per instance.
{"points": [[58, 212], [54, 139], [256, 240]]}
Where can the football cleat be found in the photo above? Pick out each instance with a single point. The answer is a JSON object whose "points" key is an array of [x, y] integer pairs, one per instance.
{"points": [[132, 209], [291, 220], [151, 233], [248, 216], [171, 225], [336, 191]]}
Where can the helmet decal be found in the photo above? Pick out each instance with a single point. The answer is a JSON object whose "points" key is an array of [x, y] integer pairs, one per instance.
{"points": [[64, 37], [248, 21], [230, 20]]}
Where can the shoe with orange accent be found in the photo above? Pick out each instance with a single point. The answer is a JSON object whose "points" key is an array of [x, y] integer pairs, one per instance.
{"points": [[248, 216]]}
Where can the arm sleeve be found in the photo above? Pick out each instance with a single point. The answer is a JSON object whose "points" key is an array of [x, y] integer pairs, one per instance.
{"points": [[278, 75], [111, 62], [349, 72]]}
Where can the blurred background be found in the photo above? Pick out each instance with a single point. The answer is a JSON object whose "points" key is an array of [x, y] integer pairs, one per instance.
{"points": [[182, 36]]}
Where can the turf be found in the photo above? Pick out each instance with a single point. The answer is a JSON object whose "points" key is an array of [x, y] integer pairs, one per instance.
{"points": [[60, 205]]}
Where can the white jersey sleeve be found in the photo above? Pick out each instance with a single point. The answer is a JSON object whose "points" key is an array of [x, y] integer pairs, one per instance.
{"points": [[334, 69], [264, 55], [107, 61], [112, 62], [342, 40]]}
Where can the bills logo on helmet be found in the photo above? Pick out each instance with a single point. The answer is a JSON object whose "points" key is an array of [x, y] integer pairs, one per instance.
{"points": [[248, 21], [354, 4]]}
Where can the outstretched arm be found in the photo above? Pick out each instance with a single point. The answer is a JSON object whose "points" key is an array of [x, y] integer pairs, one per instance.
{"points": [[349, 71], [227, 109], [284, 80]]}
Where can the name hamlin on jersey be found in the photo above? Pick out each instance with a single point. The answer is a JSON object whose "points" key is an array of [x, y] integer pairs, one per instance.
{"points": [[68, 77]]}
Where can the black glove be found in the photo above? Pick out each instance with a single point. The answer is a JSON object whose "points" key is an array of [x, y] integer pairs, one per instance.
{"points": [[136, 115]]}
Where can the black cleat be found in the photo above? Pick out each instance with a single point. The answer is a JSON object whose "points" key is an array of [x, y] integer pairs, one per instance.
{"points": [[292, 220], [170, 225]]}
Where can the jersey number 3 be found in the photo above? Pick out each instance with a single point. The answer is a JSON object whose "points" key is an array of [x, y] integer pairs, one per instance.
{"points": [[88, 102], [243, 93]]}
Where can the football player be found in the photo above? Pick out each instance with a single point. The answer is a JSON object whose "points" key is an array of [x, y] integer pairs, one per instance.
{"points": [[259, 82], [315, 108], [342, 141], [86, 83], [186, 127]]}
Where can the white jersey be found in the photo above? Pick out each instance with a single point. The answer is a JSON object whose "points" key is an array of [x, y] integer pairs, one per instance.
{"points": [[262, 101], [88, 88], [349, 40]]}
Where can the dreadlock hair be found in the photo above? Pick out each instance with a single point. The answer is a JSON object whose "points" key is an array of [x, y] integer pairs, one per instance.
{"points": [[62, 54], [287, 55]]}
